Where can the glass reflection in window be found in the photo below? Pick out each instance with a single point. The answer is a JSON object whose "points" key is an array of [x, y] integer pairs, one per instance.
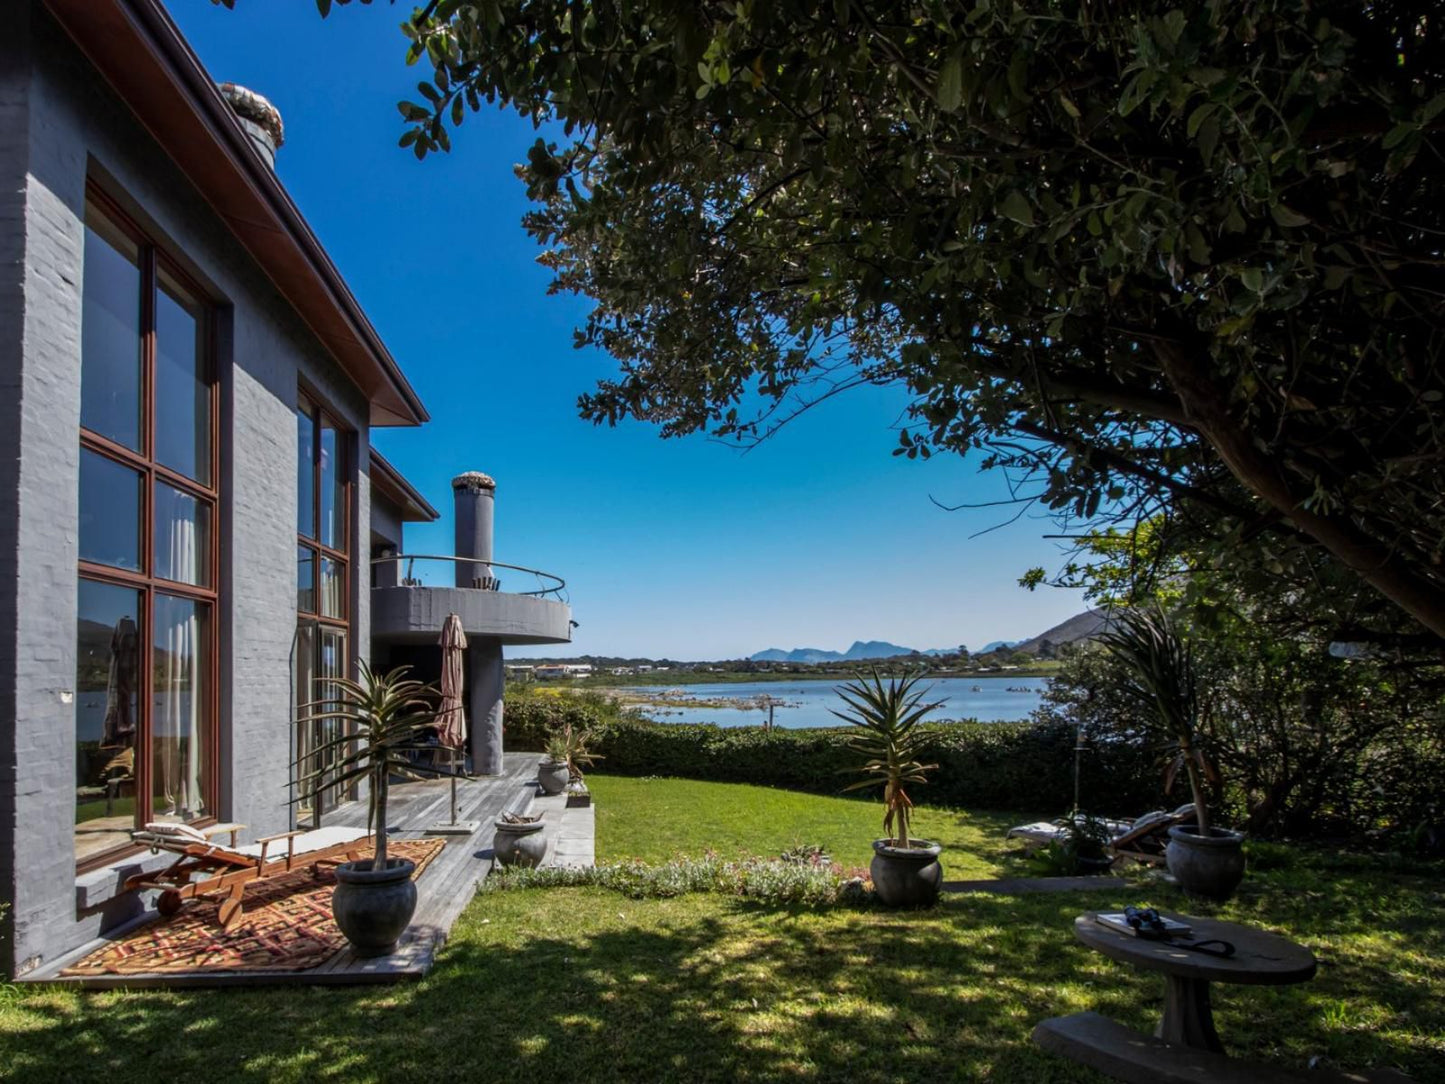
{"points": [[183, 391], [178, 724], [110, 336], [110, 498], [107, 715], [182, 536]]}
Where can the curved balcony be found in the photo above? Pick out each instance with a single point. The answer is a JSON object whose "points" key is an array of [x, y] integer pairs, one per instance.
{"points": [[410, 600]]}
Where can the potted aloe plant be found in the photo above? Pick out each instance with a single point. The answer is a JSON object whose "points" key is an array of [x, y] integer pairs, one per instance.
{"points": [[566, 753], [384, 718], [905, 871], [1206, 860]]}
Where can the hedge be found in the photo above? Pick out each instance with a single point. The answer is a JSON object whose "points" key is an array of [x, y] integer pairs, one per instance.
{"points": [[1026, 767]]}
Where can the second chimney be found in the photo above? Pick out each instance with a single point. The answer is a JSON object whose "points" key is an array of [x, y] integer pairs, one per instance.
{"points": [[474, 495], [259, 117]]}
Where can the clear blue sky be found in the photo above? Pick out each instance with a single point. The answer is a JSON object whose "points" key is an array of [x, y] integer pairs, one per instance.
{"points": [[680, 548]]}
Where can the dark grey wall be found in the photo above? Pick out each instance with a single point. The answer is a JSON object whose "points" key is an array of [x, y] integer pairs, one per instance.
{"points": [[72, 126]]}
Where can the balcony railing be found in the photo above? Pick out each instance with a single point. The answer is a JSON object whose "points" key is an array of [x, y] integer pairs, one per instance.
{"points": [[406, 574]]}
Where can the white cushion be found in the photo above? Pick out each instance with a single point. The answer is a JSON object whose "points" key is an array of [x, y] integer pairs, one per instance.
{"points": [[175, 830]]}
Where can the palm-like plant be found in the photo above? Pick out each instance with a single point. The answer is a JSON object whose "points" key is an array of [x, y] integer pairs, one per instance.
{"points": [[385, 717], [888, 716], [569, 746], [1160, 665]]}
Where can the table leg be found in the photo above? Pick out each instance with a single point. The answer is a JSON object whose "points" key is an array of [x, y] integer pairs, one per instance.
{"points": [[1188, 1017]]}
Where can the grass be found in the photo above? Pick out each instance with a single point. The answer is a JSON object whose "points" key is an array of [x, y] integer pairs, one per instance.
{"points": [[657, 819], [584, 984]]}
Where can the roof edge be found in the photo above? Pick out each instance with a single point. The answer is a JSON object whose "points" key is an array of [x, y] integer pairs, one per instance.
{"points": [[392, 484], [135, 45]]}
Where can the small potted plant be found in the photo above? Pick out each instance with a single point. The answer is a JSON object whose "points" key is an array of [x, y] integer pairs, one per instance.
{"points": [[1088, 841], [1206, 861], [566, 753], [905, 871], [519, 840], [384, 719]]}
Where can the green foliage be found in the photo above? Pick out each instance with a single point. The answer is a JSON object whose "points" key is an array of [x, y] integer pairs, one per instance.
{"points": [[1017, 766], [1159, 676], [1148, 255], [568, 745], [889, 717], [773, 881], [382, 720]]}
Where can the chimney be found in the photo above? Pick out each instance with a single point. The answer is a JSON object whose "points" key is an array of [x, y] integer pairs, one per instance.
{"points": [[259, 117], [474, 494]]}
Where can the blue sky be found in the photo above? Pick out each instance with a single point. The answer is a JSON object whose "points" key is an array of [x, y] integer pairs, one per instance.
{"points": [[679, 548]]}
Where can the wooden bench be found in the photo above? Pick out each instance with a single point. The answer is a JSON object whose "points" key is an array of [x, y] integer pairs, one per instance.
{"points": [[1125, 1054]]}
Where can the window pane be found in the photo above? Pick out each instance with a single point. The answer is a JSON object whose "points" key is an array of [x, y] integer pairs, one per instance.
{"points": [[107, 709], [333, 489], [333, 588], [110, 340], [182, 536], [305, 474], [110, 496], [181, 711], [183, 390], [306, 691], [306, 579]]}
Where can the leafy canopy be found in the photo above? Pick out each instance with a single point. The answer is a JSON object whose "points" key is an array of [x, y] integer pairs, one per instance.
{"points": [[1143, 254]]}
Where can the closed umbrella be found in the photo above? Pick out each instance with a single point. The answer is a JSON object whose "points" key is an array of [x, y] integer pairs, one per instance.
{"points": [[450, 718]]}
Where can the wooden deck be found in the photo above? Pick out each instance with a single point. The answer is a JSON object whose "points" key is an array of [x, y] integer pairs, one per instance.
{"points": [[444, 888]]}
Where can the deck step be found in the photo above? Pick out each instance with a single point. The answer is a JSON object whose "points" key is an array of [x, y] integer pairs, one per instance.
{"points": [[1128, 1055]]}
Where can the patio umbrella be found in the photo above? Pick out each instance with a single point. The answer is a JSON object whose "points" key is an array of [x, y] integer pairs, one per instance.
{"points": [[450, 718]]}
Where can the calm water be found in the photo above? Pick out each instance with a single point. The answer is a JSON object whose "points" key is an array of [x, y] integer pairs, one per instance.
{"points": [[806, 703]]}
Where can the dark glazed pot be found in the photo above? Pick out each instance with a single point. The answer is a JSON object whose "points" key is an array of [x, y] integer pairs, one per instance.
{"points": [[553, 777], [374, 906], [1207, 866], [519, 844], [906, 876]]}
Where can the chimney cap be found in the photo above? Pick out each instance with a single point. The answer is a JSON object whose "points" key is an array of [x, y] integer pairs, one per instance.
{"points": [[255, 108], [473, 479]]}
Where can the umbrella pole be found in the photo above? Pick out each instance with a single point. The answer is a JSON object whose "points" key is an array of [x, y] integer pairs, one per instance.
{"points": [[454, 827]]}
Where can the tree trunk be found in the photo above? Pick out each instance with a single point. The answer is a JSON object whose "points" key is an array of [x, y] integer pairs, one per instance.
{"points": [[1208, 411]]}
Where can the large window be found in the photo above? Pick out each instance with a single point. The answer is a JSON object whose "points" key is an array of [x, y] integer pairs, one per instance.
{"points": [[145, 716], [323, 547]]}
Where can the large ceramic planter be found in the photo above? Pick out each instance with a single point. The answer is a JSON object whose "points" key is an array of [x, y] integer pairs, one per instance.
{"points": [[374, 906], [1207, 866], [553, 777], [906, 876], [523, 844]]}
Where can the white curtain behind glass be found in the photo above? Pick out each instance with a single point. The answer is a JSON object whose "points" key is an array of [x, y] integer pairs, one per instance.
{"points": [[178, 716]]}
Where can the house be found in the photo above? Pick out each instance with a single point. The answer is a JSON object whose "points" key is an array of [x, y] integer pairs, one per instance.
{"points": [[190, 506]]}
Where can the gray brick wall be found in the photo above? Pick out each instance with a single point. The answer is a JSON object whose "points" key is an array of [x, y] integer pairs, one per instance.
{"points": [[70, 126]]}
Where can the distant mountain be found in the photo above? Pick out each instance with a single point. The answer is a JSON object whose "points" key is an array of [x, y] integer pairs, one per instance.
{"points": [[994, 645], [861, 649], [1079, 627], [1082, 626]]}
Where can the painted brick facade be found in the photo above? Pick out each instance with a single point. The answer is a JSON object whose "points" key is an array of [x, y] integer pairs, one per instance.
{"points": [[60, 124]]}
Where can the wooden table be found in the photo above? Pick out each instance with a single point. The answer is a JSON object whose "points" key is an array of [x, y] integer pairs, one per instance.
{"points": [[1260, 959]]}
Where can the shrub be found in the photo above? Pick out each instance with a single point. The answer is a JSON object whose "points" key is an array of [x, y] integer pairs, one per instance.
{"points": [[766, 880], [1025, 766]]}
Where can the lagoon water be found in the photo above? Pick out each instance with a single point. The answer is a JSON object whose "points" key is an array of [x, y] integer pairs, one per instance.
{"points": [[806, 703]]}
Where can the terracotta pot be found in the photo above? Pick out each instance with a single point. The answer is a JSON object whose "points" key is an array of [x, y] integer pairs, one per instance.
{"points": [[1207, 866], [906, 876]]}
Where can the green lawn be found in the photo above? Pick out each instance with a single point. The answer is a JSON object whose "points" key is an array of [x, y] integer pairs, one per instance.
{"points": [[584, 984], [658, 819]]}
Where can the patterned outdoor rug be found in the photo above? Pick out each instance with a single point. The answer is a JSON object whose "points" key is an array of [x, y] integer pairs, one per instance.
{"points": [[286, 926]]}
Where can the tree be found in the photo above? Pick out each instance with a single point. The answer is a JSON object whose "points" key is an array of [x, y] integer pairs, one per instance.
{"points": [[1148, 256]]}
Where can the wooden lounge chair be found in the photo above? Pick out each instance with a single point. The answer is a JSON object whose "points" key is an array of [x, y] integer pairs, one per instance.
{"points": [[205, 867], [1146, 840], [1143, 839]]}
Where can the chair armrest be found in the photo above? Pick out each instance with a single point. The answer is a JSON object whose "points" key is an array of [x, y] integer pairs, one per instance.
{"points": [[221, 829], [281, 835], [266, 842]]}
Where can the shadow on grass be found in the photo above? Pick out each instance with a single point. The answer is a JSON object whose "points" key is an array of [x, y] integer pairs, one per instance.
{"points": [[583, 984]]}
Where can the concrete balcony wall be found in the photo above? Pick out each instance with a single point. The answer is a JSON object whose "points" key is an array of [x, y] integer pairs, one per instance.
{"points": [[415, 615]]}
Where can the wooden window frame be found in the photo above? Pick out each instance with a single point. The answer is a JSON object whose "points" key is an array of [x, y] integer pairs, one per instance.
{"points": [[152, 260], [310, 403]]}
